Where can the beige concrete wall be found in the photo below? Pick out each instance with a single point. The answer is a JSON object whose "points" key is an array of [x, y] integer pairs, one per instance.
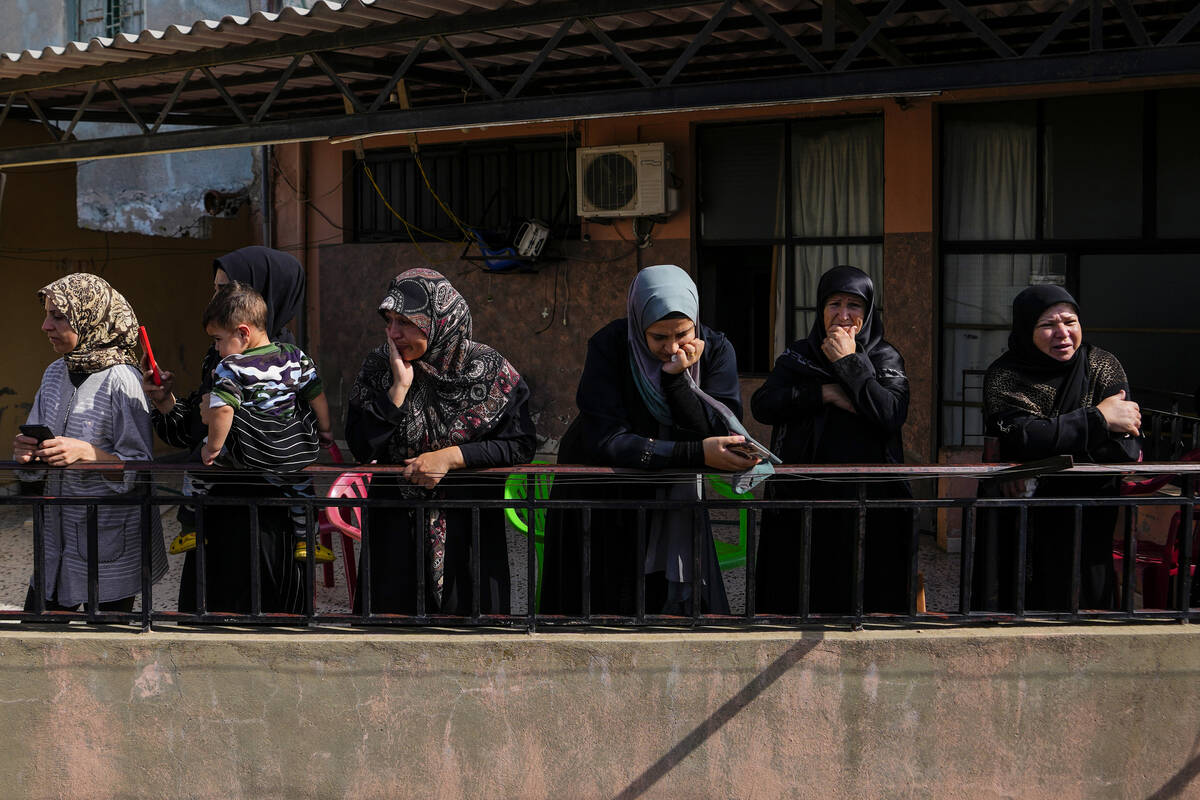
{"points": [[1058, 713]]}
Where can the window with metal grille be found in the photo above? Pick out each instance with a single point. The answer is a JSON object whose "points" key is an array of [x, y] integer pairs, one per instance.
{"points": [[490, 186], [107, 18]]}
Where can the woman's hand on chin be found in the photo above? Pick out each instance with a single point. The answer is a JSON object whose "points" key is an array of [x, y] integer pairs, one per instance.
{"points": [[427, 469], [687, 355], [63, 450], [718, 455], [402, 375], [839, 343]]}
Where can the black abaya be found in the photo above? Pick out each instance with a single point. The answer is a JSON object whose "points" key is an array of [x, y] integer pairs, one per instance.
{"points": [[615, 428]]}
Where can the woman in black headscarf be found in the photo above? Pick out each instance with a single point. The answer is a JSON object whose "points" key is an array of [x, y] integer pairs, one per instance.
{"points": [[434, 400], [1052, 394], [279, 277], [659, 391], [840, 396]]}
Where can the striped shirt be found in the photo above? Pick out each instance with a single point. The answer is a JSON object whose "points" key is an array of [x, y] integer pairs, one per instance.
{"points": [[267, 379]]}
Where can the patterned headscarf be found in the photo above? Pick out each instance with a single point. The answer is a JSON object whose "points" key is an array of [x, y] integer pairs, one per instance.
{"points": [[460, 387], [459, 391], [100, 315]]}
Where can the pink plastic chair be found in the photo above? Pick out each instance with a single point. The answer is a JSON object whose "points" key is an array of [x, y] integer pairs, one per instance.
{"points": [[345, 520]]}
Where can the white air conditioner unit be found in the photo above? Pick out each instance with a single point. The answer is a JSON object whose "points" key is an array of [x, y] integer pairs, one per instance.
{"points": [[626, 181]]}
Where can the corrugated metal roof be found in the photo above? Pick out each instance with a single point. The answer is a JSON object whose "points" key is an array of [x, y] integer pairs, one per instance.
{"points": [[300, 65]]}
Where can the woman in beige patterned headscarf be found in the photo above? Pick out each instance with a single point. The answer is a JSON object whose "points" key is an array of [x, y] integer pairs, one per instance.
{"points": [[91, 400]]}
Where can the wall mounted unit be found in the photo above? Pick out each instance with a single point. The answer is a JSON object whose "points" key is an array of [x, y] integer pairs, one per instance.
{"points": [[625, 181]]}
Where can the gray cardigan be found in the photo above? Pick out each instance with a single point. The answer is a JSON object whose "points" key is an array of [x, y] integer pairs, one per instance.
{"points": [[109, 411]]}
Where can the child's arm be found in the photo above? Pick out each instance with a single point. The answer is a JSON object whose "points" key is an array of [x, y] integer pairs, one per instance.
{"points": [[220, 420], [320, 407]]}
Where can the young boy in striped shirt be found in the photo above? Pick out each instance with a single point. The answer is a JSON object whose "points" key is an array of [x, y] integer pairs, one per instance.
{"points": [[270, 382]]}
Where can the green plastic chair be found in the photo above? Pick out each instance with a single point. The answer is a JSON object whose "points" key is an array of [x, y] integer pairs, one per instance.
{"points": [[731, 555], [516, 488]]}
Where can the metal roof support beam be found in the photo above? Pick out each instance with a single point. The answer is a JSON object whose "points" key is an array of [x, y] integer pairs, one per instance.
{"points": [[338, 83], [866, 36], [1107, 65], [549, 47], [828, 25], [776, 30], [398, 75], [409, 30], [1051, 33], [469, 68], [54, 132], [1184, 27], [1133, 22], [854, 19], [286, 76], [171, 101], [112, 87], [694, 46], [7, 107], [91, 92], [620, 54], [964, 15], [226, 96]]}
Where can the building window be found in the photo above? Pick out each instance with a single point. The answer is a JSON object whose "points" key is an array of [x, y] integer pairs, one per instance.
{"points": [[107, 18], [1095, 193], [780, 203], [490, 186]]}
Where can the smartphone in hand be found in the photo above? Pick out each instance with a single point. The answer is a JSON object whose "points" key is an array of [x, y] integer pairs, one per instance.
{"points": [[39, 432], [144, 338]]}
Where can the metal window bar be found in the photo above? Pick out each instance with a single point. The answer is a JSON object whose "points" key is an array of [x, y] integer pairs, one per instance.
{"points": [[150, 500]]}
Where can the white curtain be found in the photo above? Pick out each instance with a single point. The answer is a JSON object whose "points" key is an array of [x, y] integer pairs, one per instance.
{"points": [[989, 185], [837, 190]]}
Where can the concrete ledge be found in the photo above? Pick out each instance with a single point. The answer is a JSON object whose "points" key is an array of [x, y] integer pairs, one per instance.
{"points": [[1086, 712]]}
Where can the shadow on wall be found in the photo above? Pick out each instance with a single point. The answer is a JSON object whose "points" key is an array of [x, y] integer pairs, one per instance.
{"points": [[730, 709], [1182, 779]]}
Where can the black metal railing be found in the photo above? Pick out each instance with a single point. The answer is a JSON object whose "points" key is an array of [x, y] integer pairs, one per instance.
{"points": [[1168, 435], [152, 493]]}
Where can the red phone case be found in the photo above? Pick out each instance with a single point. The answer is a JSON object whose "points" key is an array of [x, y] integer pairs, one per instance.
{"points": [[145, 339]]}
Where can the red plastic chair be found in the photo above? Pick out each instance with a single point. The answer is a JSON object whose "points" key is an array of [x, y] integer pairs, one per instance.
{"points": [[346, 521], [1158, 562], [1157, 582]]}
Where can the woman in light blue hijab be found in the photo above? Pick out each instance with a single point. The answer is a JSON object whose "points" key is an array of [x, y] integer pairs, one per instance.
{"points": [[659, 391]]}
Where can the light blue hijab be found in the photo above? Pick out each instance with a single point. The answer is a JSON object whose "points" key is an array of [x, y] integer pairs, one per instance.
{"points": [[656, 292]]}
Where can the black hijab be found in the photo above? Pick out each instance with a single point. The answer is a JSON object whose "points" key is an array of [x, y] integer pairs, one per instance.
{"points": [[1069, 378], [849, 280], [277, 276]]}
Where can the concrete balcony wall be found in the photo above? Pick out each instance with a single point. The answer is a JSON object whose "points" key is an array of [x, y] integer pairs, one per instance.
{"points": [[1058, 713]]}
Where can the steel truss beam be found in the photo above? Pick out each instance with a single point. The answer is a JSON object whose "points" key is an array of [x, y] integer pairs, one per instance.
{"points": [[622, 80], [1106, 65]]}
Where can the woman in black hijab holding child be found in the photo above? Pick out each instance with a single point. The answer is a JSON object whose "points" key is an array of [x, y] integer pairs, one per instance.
{"points": [[1053, 394], [839, 396]]}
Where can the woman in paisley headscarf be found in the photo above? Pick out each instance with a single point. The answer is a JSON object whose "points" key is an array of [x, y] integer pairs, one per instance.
{"points": [[436, 401], [91, 400], [839, 396], [659, 391], [279, 278], [1053, 394]]}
